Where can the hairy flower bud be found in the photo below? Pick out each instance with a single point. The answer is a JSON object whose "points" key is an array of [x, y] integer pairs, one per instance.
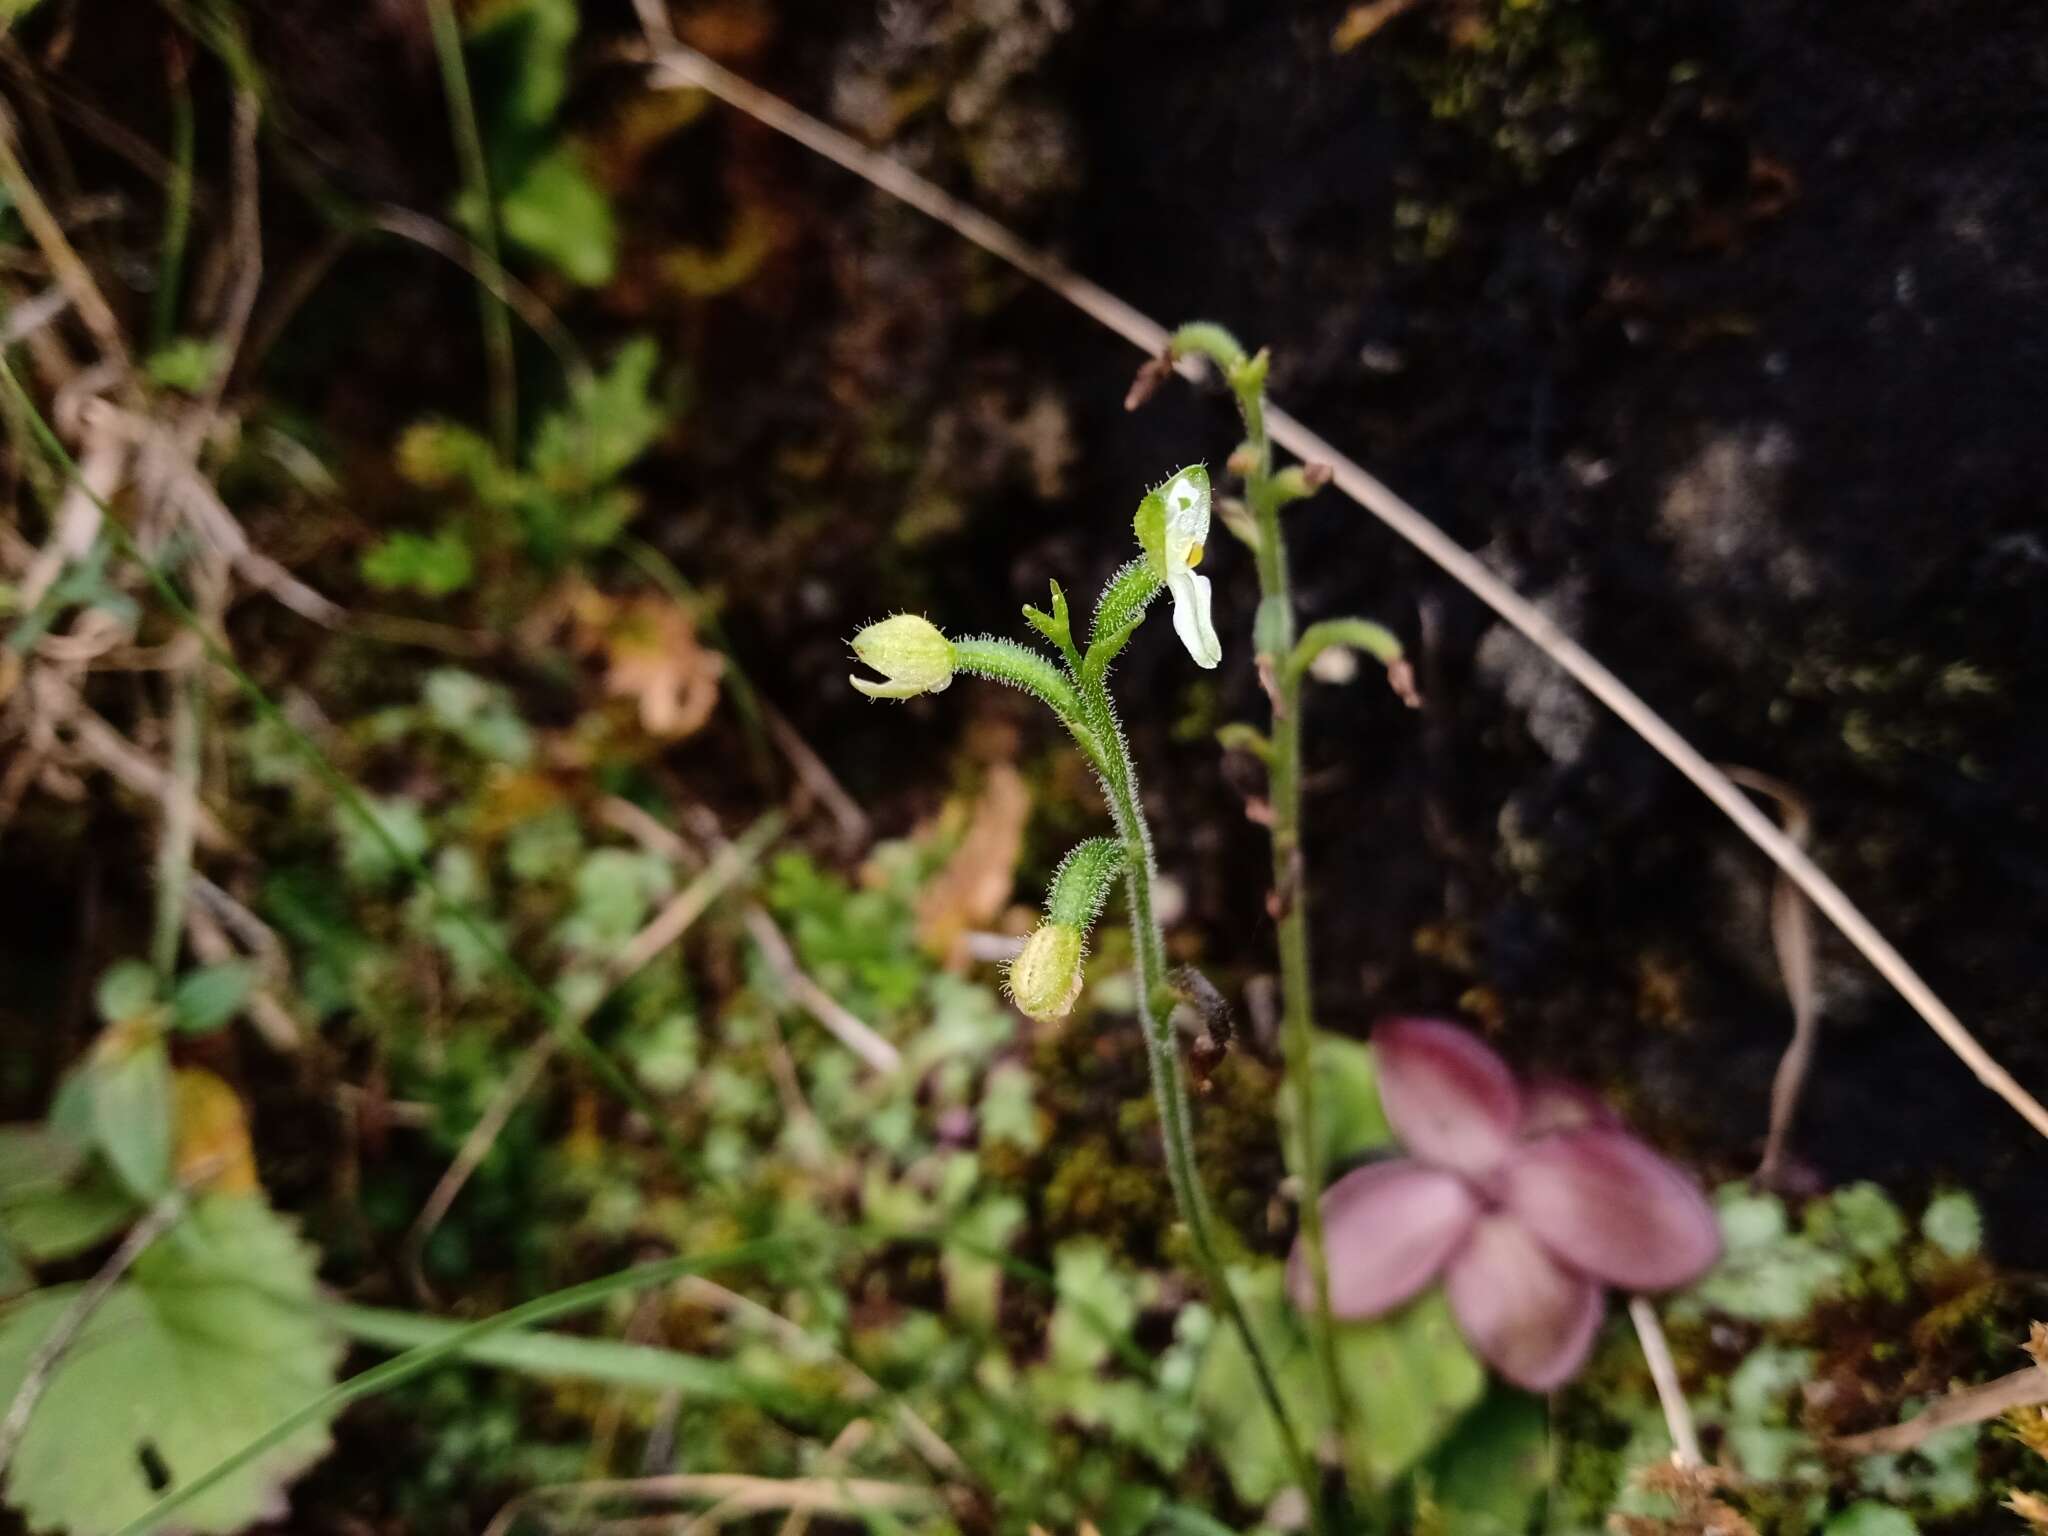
{"points": [[1045, 978], [911, 654]]}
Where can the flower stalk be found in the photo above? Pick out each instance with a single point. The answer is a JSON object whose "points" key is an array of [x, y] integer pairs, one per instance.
{"points": [[1265, 495], [915, 657]]}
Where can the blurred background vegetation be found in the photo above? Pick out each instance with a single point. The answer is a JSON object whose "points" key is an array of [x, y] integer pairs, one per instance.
{"points": [[1716, 327]]}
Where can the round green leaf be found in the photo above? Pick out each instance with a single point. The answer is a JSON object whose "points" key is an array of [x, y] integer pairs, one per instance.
{"points": [[211, 1339]]}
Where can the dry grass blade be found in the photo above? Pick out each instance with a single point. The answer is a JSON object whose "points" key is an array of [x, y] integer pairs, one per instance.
{"points": [[683, 66], [736, 1494], [1792, 939], [1969, 1405], [1685, 1439]]}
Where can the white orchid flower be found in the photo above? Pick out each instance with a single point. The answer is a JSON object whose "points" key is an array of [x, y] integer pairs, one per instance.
{"points": [[1187, 500]]}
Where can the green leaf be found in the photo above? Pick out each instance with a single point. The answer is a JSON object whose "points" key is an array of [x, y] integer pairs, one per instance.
{"points": [[1349, 1119], [130, 1084], [127, 990], [1096, 1299], [206, 999], [609, 421], [561, 215], [1869, 1518], [1952, 1223], [210, 1341], [45, 1222], [1490, 1476], [1767, 1274], [409, 562], [368, 859], [1861, 1216], [974, 1282], [188, 364], [1408, 1376], [36, 1158]]}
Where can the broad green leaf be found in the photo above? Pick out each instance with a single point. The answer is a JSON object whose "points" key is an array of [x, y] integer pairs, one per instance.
{"points": [[51, 1222], [1407, 1376], [211, 1340], [1349, 1120], [206, 999], [36, 1157], [130, 1081], [1490, 1476], [561, 215]]}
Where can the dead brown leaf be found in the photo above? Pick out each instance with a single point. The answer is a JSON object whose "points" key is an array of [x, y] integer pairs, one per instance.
{"points": [[1361, 21], [972, 888], [652, 656]]}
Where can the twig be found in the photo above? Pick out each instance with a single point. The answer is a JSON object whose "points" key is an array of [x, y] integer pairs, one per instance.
{"points": [[1685, 1439], [845, 1445], [684, 66], [43, 1363], [1792, 939], [64, 262], [811, 772], [1969, 1405], [667, 926], [741, 1493], [845, 1026]]}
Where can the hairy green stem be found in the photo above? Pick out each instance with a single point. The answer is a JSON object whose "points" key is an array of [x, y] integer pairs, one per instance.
{"points": [[1162, 1055]]}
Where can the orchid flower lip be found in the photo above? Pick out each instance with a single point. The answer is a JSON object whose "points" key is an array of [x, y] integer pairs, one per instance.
{"points": [[1188, 503]]}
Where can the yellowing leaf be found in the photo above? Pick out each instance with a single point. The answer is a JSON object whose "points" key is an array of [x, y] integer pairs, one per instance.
{"points": [[654, 658], [1361, 21], [211, 1135], [974, 884]]}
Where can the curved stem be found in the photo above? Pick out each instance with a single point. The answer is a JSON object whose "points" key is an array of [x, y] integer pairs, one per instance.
{"points": [[1112, 761]]}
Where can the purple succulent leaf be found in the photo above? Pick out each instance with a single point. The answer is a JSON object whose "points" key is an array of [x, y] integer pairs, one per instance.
{"points": [[1388, 1229], [1449, 1098], [1528, 1316], [1605, 1203], [1557, 1104]]}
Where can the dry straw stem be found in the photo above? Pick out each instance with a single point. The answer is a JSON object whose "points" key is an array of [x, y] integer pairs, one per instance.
{"points": [[679, 66], [1966, 1405], [735, 1494], [1685, 1439]]}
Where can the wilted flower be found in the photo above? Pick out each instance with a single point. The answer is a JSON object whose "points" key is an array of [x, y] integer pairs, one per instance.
{"points": [[910, 652], [1045, 978], [1527, 1199], [1173, 537]]}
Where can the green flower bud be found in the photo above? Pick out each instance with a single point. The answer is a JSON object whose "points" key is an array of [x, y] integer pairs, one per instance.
{"points": [[910, 653], [1045, 978]]}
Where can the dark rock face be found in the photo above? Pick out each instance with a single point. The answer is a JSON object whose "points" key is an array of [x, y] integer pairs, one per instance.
{"points": [[1721, 328]]}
